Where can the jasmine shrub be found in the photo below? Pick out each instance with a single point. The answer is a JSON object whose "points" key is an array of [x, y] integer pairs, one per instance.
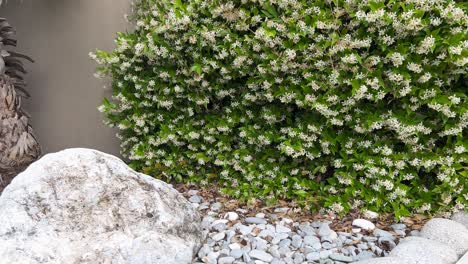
{"points": [[343, 104]]}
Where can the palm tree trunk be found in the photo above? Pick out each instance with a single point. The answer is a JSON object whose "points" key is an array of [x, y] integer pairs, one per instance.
{"points": [[18, 145]]}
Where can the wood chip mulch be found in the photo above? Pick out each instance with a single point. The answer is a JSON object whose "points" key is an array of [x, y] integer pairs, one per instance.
{"points": [[297, 214]]}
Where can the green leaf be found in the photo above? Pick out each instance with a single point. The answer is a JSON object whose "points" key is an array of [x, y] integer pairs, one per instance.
{"points": [[197, 68], [269, 9]]}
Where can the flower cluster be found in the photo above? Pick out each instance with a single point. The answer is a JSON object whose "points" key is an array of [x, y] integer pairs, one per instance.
{"points": [[348, 104]]}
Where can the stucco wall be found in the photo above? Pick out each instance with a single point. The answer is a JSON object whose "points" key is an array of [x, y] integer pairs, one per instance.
{"points": [[58, 35]]}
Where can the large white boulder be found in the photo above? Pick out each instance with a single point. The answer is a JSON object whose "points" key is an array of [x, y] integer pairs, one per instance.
{"points": [[421, 251], [448, 232], [461, 217], [84, 206]]}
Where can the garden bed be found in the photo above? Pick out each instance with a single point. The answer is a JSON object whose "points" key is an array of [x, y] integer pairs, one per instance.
{"points": [[285, 233]]}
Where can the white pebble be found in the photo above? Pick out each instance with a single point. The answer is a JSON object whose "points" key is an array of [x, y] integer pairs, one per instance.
{"points": [[364, 224], [260, 215], [218, 236], [231, 216], [370, 214]]}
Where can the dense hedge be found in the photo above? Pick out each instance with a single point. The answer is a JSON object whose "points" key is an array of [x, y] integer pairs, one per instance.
{"points": [[348, 104]]}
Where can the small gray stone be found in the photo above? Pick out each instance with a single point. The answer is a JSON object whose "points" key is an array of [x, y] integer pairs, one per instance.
{"points": [[216, 206], [363, 246], [244, 230], [206, 222], [265, 233], [340, 257], [317, 246], [246, 257], [328, 245], [383, 233], [296, 241], [386, 260], [364, 224], [378, 251], [400, 232], [284, 251], [307, 229], [285, 243], [255, 220], [278, 261], [298, 258], [192, 192], [242, 211], [218, 236], [365, 255], [226, 260], [260, 244], [224, 252], [204, 206], [325, 254], [260, 215], [275, 241], [288, 260], [313, 256], [261, 255], [219, 227], [325, 231], [204, 250], [414, 233], [281, 210], [282, 229], [195, 199], [212, 257], [236, 253], [231, 216], [328, 239], [230, 234], [387, 243], [345, 251], [211, 213], [398, 227], [311, 240], [274, 252], [281, 236]]}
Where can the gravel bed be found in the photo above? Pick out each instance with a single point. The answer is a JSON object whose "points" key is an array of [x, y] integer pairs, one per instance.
{"points": [[239, 236]]}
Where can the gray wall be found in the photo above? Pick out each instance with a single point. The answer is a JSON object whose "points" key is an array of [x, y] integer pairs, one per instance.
{"points": [[58, 35]]}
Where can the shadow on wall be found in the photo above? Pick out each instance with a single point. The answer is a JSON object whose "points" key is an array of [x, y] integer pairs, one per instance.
{"points": [[58, 35]]}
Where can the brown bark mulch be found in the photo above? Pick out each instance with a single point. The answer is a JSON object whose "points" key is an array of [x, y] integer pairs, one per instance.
{"points": [[297, 214]]}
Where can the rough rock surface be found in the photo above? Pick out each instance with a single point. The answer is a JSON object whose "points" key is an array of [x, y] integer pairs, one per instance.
{"points": [[386, 260], [421, 251], [84, 206], [461, 217], [448, 232]]}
